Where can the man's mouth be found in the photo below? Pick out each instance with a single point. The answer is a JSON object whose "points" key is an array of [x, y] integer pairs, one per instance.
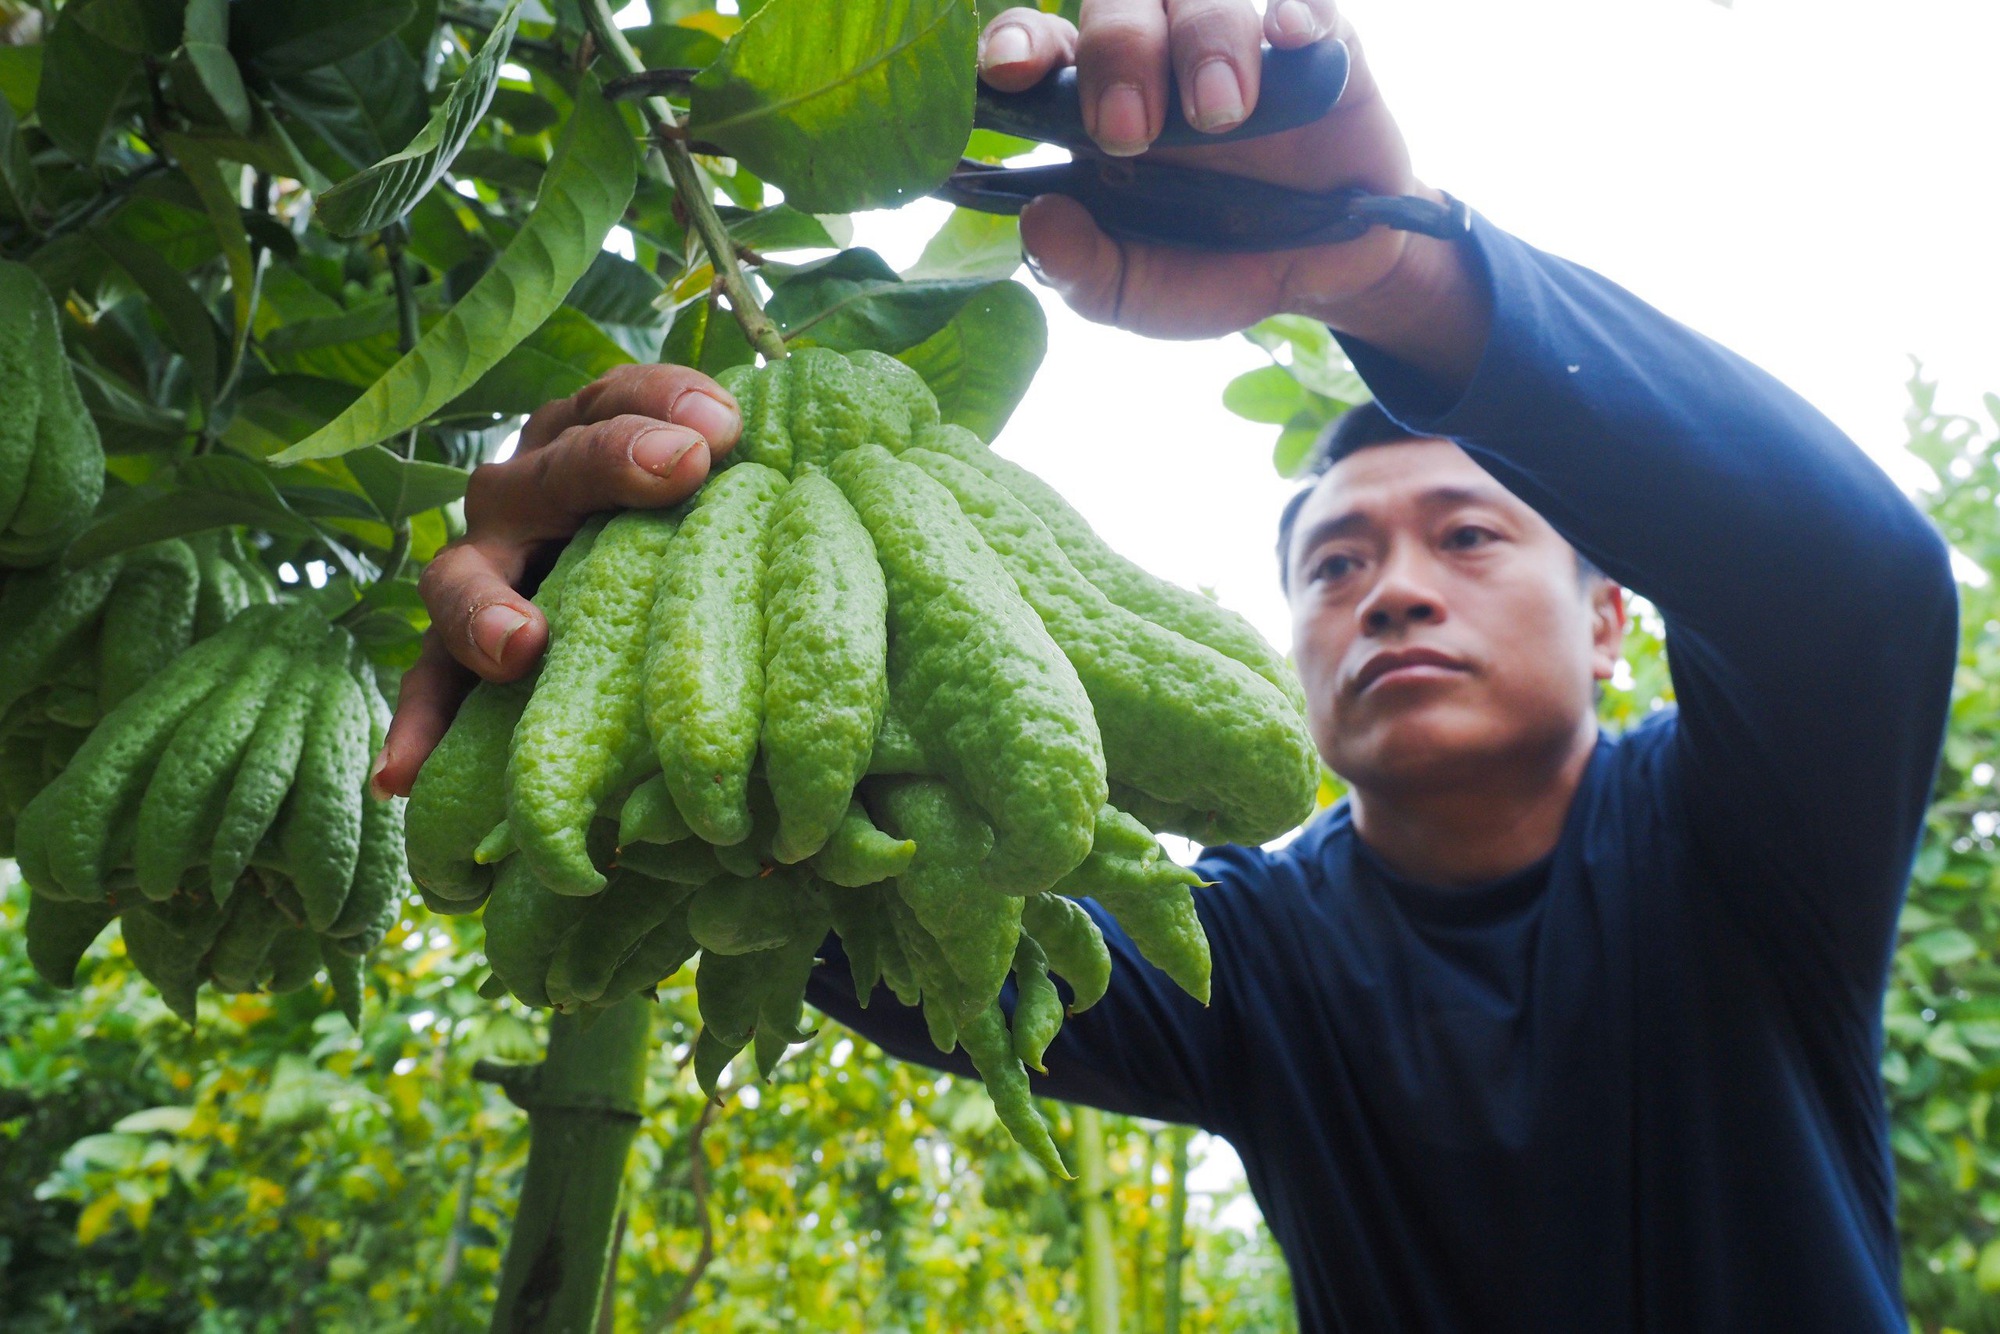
{"points": [[1406, 664]]}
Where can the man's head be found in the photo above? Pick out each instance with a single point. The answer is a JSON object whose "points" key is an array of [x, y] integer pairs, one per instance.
{"points": [[1442, 629]]}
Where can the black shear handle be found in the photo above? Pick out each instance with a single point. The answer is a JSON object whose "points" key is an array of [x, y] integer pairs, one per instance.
{"points": [[1135, 199], [1298, 87]]}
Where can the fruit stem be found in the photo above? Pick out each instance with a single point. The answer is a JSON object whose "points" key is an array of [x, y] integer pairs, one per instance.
{"points": [[671, 144]]}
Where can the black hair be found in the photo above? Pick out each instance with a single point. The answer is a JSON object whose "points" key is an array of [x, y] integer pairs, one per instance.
{"points": [[1359, 427], [1362, 426]]}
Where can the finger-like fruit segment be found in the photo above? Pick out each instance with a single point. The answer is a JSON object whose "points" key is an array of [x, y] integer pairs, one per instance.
{"points": [[991, 697], [704, 671], [974, 926], [320, 827], [1179, 720], [825, 661], [861, 854], [461, 792], [148, 619], [1181, 610], [991, 1048], [583, 727], [58, 933], [1073, 944], [75, 819]]}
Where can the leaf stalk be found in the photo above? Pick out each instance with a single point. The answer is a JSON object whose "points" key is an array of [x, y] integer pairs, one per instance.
{"points": [[690, 189]]}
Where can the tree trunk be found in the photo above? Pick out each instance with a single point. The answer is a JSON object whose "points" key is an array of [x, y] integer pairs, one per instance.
{"points": [[1170, 1308], [1142, 1248], [584, 1103], [1100, 1261], [461, 1217]]}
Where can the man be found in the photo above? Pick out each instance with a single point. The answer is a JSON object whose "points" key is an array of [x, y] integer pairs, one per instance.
{"points": [[1538, 1030]]}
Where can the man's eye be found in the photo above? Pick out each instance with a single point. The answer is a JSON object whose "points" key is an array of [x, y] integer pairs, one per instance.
{"points": [[1332, 567], [1467, 537]]}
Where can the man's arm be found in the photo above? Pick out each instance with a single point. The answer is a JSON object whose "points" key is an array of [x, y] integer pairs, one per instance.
{"points": [[1147, 1048], [1810, 607]]}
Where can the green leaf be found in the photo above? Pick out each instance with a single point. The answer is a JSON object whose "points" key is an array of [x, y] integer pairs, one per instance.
{"points": [[213, 491], [614, 290], [21, 76], [218, 187], [1316, 359], [357, 346], [140, 27], [84, 82], [179, 232], [670, 46], [496, 166], [420, 38], [381, 194], [583, 195], [780, 227], [525, 112], [400, 487], [706, 338], [1294, 448], [17, 171], [364, 107], [971, 244], [1945, 947], [128, 422], [993, 146], [189, 325], [208, 87], [282, 37], [283, 411], [979, 365], [848, 106], [854, 300], [1267, 394], [566, 353], [204, 79], [173, 1120]]}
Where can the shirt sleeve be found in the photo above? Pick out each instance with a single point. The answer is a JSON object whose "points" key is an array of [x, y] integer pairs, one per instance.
{"points": [[1811, 613], [1146, 1049]]}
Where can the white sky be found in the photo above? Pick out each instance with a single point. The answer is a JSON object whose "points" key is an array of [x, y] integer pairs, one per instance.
{"points": [[1814, 183]]}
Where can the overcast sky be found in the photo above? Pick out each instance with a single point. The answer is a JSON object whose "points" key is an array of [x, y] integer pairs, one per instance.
{"points": [[1813, 183]]}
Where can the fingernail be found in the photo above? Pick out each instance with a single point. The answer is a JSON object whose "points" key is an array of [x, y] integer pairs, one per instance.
{"points": [[1218, 97], [1295, 19], [703, 413], [492, 627], [1121, 121], [657, 451], [1034, 269], [375, 788], [1007, 45]]}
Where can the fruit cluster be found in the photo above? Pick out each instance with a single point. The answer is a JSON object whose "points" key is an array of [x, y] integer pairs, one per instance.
{"points": [[872, 679]]}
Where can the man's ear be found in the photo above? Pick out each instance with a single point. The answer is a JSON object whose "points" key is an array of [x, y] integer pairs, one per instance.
{"points": [[1607, 626]]}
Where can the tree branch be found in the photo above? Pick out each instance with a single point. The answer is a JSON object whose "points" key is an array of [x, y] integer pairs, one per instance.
{"points": [[698, 1184], [689, 187]]}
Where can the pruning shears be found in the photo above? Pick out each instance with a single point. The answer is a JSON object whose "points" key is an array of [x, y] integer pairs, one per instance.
{"points": [[1136, 200]]}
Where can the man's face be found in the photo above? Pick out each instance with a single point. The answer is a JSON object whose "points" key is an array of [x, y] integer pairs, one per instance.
{"points": [[1440, 625]]}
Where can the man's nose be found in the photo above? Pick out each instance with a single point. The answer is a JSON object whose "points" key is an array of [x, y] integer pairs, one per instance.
{"points": [[1401, 598]]}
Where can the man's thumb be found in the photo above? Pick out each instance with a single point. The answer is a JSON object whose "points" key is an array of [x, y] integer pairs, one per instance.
{"points": [[1066, 250]]}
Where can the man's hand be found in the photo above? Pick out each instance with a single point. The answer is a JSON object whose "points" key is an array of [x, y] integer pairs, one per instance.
{"points": [[640, 438], [1407, 294]]}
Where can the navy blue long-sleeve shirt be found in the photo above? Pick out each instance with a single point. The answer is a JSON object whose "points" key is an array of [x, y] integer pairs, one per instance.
{"points": [[1634, 1086]]}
